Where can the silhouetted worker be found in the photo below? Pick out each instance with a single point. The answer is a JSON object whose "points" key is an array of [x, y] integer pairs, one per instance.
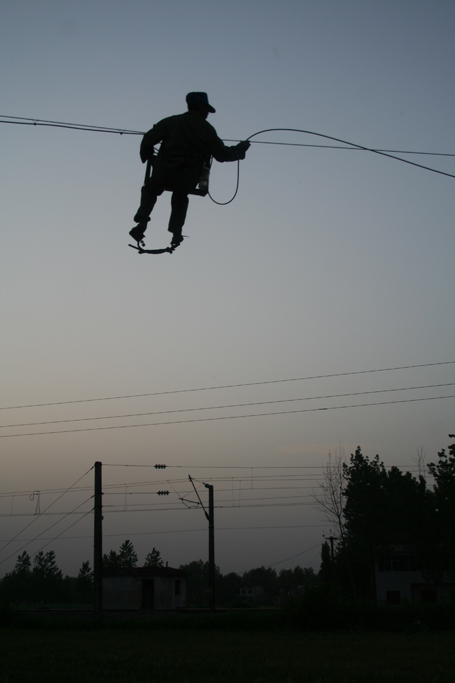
{"points": [[187, 143]]}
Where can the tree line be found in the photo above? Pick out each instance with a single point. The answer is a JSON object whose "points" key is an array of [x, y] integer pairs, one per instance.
{"points": [[42, 582]]}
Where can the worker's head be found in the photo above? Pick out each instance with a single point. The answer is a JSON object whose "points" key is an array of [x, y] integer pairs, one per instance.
{"points": [[199, 102]]}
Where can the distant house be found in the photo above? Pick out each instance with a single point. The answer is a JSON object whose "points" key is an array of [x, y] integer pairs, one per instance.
{"points": [[144, 588], [255, 594], [399, 578]]}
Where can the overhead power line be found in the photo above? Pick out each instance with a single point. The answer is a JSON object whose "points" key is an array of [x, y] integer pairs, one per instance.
{"points": [[353, 144], [55, 538], [226, 386], [119, 489], [227, 417], [232, 405], [155, 532], [27, 121], [46, 509], [64, 516], [195, 506], [318, 545], [18, 120], [343, 147], [224, 467]]}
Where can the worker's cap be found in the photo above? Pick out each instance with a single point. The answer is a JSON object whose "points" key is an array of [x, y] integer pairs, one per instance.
{"points": [[199, 98]]}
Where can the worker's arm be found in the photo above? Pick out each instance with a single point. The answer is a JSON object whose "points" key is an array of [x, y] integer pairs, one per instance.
{"points": [[150, 139], [222, 152]]}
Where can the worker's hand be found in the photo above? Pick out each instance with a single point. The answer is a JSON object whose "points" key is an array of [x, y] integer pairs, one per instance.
{"points": [[147, 154], [242, 147]]}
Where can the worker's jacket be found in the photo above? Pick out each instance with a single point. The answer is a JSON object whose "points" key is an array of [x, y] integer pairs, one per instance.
{"points": [[186, 140]]}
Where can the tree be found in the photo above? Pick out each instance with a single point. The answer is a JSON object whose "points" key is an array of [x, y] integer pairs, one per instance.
{"points": [[326, 570], [290, 581], [45, 565], [228, 588], [111, 561], [444, 490], [197, 583], [262, 577], [332, 499], [47, 578], [84, 583], [124, 559], [127, 555], [85, 573], [382, 508], [153, 559], [16, 585], [23, 565], [440, 554]]}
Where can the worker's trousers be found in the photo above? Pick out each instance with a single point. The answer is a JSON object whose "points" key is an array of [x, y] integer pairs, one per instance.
{"points": [[180, 182]]}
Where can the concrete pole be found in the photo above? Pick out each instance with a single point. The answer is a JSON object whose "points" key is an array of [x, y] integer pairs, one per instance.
{"points": [[98, 543], [211, 519]]}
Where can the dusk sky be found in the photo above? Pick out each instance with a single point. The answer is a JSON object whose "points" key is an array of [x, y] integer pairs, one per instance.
{"points": [[328, 265]]}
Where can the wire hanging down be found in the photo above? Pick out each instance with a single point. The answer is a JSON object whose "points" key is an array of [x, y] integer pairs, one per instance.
{"points": [[352, 144]]}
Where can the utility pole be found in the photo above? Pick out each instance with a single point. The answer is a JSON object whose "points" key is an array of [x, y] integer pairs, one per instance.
{"points": [[98, 543], [211, 520]]}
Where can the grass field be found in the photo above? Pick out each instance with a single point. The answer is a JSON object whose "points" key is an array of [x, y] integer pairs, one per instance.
{"points": [[181, 656]]}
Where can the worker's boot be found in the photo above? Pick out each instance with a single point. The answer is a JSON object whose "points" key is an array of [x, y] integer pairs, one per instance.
{"points": [[137, 233], [177, 238]]}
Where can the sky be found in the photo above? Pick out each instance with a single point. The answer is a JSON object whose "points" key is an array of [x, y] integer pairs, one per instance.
{"points": [[329, 264]]}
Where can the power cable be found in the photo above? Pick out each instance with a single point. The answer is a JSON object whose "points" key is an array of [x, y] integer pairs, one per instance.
{"points": [[226, 417], [227, 386], [27, 121], [41, 514], [45, 510], [222, 503], [219, 490], [294, 556], [353, 144], [344, 147], [187, 531], [223, 467], [45, 530], [233, 506], [258, 479], [102, 129], [232, 405], [62, 532]]}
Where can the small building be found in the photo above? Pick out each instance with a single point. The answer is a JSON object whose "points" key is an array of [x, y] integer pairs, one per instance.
{"points": [[144, 588], [255, 594], [399, 578]]}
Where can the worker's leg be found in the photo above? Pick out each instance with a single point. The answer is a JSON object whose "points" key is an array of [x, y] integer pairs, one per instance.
{"points": [[179, 204], [149, 194], [183, 182]]}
